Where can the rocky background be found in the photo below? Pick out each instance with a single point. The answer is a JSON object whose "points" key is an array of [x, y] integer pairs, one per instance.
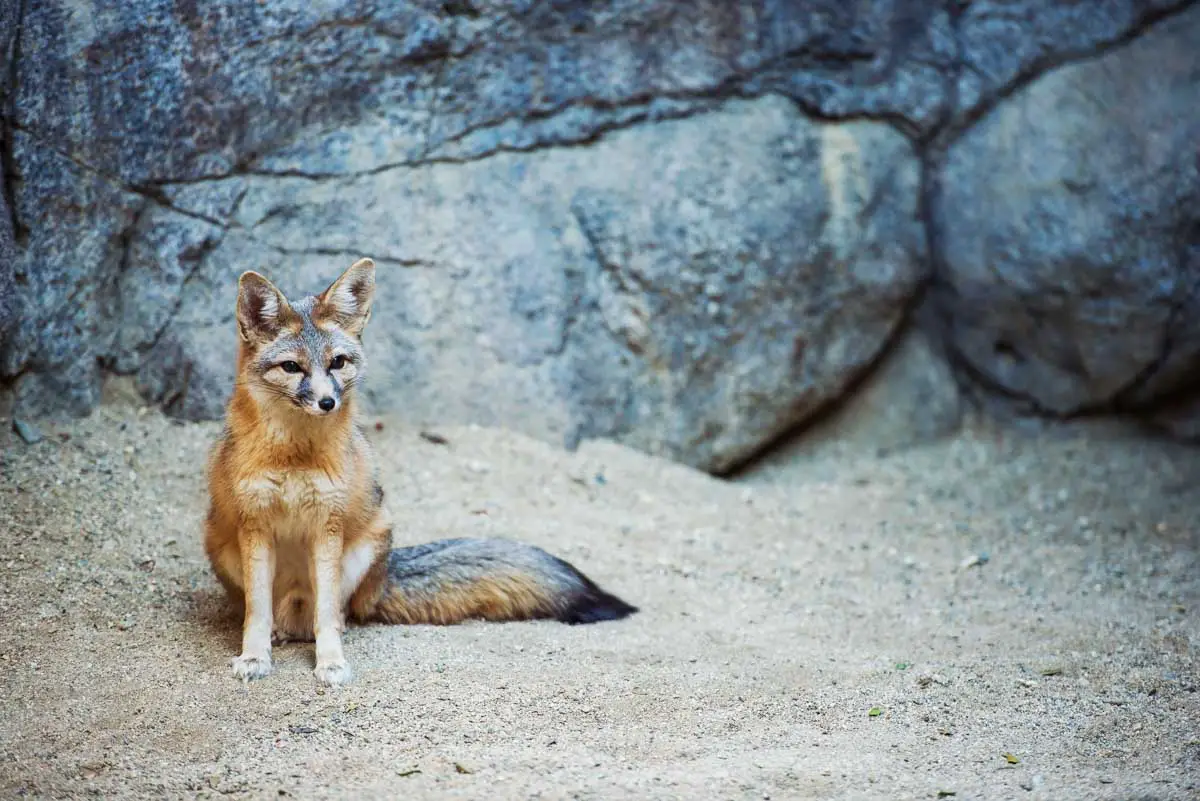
{"points": [[692, 227]]}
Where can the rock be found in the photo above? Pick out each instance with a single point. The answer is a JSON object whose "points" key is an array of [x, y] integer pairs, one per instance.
{"points": [[909, 398], [551, 263], [9, 14], [1003, 43], [28, 432], [8, 258], [1070, 273], [80, 225], [692, 288]]}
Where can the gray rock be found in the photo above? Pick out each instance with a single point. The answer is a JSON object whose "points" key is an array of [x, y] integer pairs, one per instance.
{"points": [[549, 261], [1003, 44], [251, 87], [911, 397], [28, 432], [80, 227], [692, 287], [9, 19], [8, 259], [1068, 230]]}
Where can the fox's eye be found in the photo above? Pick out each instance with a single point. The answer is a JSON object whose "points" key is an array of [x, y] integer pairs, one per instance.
{"points": [[290, 367], [338, 363]]}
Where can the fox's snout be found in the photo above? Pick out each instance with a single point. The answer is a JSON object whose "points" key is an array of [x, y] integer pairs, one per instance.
{"points": [[320, 393]]}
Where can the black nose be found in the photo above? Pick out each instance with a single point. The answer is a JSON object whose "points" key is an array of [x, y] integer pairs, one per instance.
{"points": [[326, 404]]}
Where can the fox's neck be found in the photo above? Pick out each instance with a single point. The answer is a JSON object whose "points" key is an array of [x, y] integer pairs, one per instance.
{"points": [[291, 434]]}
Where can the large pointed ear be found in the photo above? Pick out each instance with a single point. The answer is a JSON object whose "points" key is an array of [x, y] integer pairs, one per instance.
{"points": [[347, 301], [262, 309]]}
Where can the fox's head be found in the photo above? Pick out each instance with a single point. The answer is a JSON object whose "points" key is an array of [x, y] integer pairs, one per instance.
{"points": [[308, 353]]}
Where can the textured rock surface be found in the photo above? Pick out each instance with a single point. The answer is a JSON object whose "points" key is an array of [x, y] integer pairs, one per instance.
{"points": [[693, 287], [1071, 272], [911, 397], [9, 14], [561, 192]]}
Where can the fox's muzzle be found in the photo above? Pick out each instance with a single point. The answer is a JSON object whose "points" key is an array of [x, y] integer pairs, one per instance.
{"points": [[319, 393]]}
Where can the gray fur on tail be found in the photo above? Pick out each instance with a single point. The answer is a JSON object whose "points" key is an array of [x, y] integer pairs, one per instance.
{"points": [[423, 573]]}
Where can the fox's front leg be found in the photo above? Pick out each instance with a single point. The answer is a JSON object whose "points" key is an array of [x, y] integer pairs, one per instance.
{"points": [[258, 577], [327, 602]]}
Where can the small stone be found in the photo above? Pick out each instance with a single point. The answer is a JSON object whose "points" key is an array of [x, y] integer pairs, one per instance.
{"points": [[975, 560], [28, 432]]}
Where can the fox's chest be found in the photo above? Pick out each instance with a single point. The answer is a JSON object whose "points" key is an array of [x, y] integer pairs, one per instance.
{"points": [[294, 498]]}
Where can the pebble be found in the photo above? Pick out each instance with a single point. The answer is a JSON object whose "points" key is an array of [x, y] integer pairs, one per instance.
{"points": [[975, 560], [28, 432]]}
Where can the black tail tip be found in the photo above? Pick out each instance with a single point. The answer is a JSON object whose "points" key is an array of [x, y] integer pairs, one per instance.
{"points": [[596, 606]]}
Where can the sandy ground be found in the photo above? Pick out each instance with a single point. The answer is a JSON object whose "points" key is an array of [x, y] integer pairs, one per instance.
{"points": [[989, 596]]}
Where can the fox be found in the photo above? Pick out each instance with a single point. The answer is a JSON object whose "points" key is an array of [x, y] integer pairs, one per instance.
{"points": [[297, 532]]}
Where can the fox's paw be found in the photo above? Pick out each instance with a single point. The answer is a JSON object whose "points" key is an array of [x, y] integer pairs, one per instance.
{"points": [[332, 674], [247, 667]]}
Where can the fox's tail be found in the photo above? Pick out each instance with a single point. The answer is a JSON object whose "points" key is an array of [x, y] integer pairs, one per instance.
{"points": [[453, 580]]}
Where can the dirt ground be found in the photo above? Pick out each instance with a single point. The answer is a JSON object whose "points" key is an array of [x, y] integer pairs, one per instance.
{"points": [[991, 617]]}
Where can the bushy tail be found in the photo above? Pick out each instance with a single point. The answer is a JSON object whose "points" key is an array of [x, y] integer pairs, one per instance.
{"points": [[453, 580]]}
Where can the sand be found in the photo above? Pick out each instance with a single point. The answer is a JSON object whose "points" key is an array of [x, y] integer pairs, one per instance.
{"points": [[993, 616]]}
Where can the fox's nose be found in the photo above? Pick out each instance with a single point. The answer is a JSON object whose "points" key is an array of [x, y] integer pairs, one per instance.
{"points": [[326, 404]]}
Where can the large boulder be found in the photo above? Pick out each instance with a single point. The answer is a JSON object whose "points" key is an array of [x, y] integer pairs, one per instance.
{"points": [[581, 230], [693, 287], [1067, 225]]}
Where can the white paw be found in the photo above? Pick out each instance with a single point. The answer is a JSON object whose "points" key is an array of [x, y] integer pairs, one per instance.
{"points": [[332, 674], [247, 667]]}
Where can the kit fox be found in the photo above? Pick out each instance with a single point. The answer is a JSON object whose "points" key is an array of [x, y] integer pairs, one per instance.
{"points": [[296, 530]]}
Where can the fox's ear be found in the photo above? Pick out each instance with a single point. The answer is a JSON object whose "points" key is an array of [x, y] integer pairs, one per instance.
{"points": [[261, 310], [348, 300]]}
